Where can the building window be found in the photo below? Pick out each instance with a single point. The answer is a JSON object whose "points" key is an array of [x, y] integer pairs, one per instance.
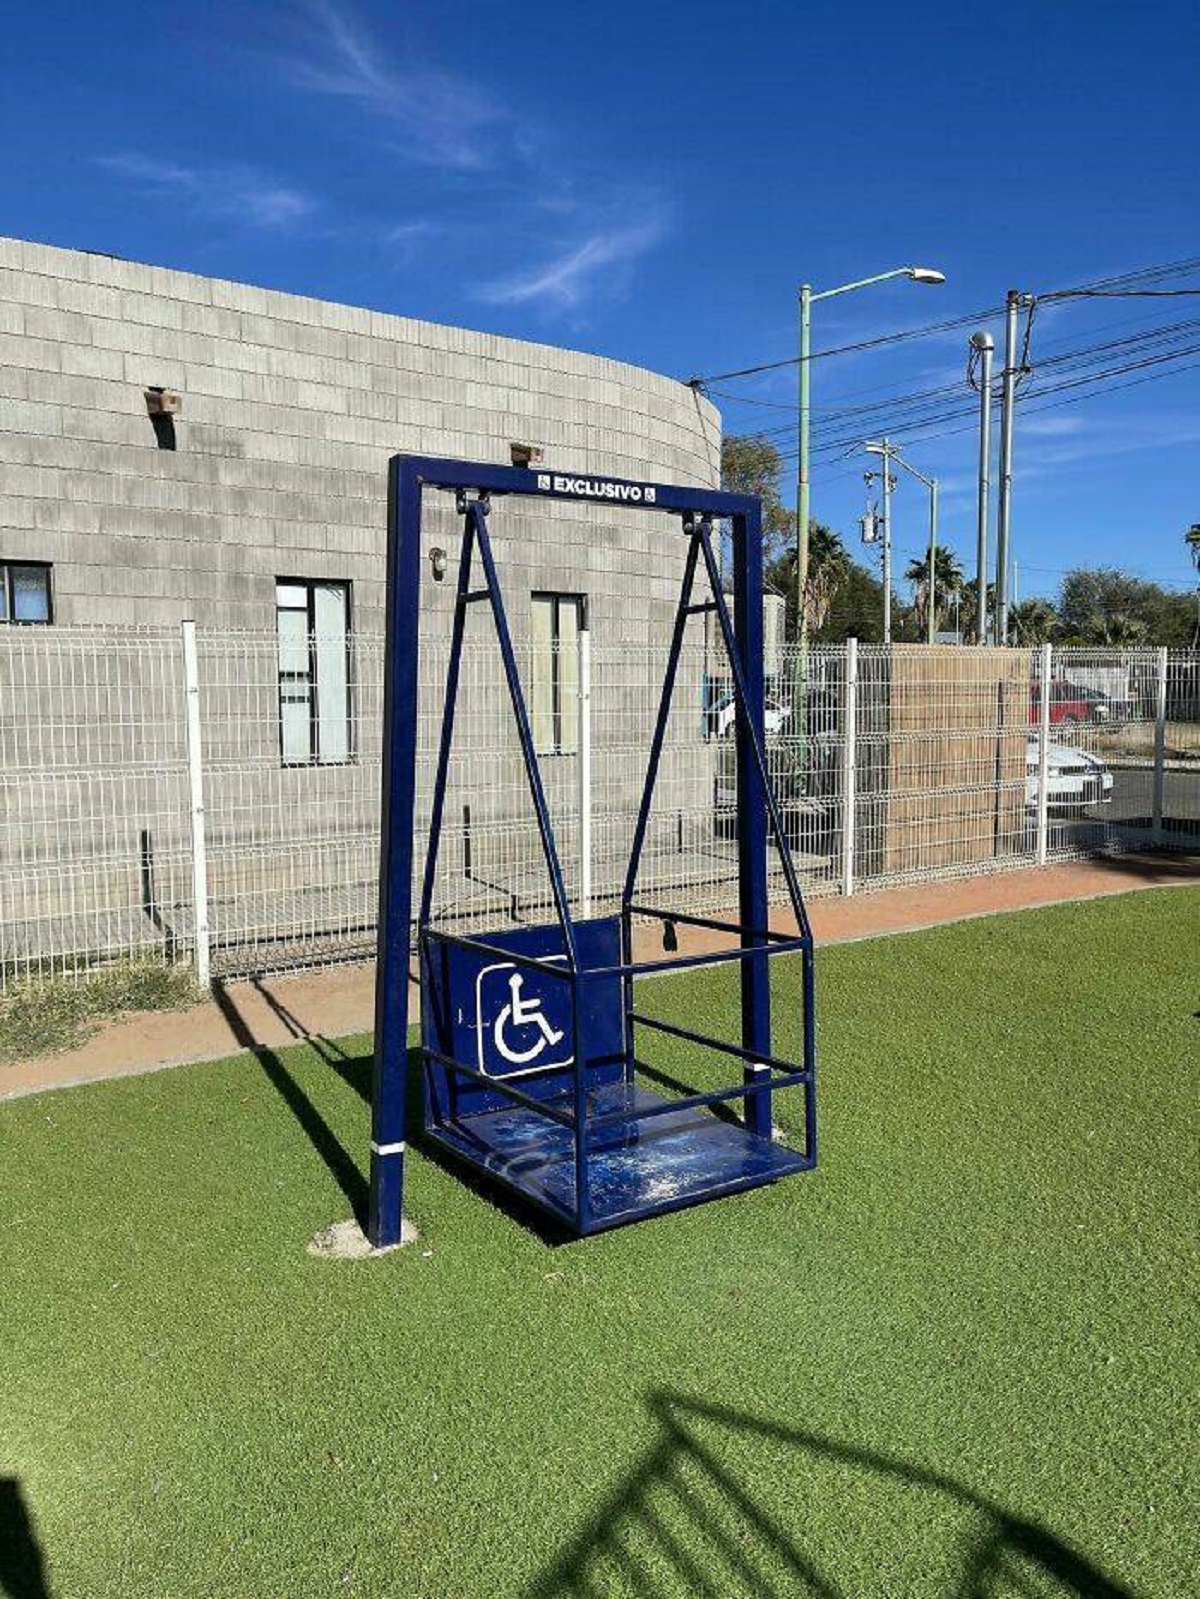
{"points": [[25, 592], [313, 624], [556, 622]]}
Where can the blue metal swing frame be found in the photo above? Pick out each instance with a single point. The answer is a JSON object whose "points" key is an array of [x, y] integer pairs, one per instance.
{"points": [[583, 1140]]}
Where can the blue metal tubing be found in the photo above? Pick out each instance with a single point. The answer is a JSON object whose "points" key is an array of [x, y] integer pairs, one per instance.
{"points": [[810, 1058], [437, 473], [524, 733], [449, 706], [627, 992], [583, 1206], [738, 1051], [550, 965], [754, 739], [681, 963], [771, 935], [701, 1101], [390, 1065], [502, 1085]]}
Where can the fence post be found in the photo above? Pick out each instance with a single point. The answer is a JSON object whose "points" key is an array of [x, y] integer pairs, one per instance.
{"points": [[849, 764], [584, 763], [1043, 763], [191, 683], [1160, 745]]}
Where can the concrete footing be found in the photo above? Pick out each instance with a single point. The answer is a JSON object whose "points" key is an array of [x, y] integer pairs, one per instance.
{"points": [[345, 1240]]}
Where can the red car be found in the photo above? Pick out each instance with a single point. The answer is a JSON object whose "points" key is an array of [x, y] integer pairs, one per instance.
{"points": [[1069, 704]]}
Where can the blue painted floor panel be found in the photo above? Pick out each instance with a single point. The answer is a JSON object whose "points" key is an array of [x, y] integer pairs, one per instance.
{"points": [[636, 1168]]}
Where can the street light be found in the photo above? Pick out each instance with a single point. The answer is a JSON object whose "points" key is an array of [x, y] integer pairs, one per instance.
{"points": [[891, 452], [917, 274]]}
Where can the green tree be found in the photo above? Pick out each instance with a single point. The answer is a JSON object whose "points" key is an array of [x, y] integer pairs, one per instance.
{"points": [[856, 610], [753, 466], [1100, 605], [1035, 621], [947, 580], [828, 571]]}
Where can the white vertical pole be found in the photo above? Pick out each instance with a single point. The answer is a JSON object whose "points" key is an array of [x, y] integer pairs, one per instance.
{"points": [[849, 763], [584, 764], [1160, 744], [191, 682], [1043, 765]]}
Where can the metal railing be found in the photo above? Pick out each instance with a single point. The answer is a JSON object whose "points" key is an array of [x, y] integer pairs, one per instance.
{"points": [[146, 809]]}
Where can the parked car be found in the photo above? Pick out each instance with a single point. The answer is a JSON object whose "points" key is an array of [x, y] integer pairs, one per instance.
{"points": [[1070, 704], [1073, 778], [722, 716]]}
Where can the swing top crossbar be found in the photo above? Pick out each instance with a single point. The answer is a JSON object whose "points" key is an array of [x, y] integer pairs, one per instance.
{"points": [[428, 472]]}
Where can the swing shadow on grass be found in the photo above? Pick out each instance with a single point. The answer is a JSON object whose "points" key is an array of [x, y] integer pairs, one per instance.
{"points": [[355, 1071], [22, 1568], [683, 1521]]}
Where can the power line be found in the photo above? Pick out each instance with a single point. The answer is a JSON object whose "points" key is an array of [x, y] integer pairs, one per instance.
{"points": [[1117, 285]]}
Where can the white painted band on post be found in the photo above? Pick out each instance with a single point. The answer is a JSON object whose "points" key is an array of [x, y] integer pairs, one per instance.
{"points": [[387, 1149]]}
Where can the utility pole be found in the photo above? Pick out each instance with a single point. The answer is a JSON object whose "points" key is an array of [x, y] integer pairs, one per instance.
{"points": [[886, 452], [983, 343], [1004, 514], [931, 603], [802, 489]]}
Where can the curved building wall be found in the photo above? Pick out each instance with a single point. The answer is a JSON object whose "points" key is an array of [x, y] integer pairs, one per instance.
{"points": [[290, 409]]}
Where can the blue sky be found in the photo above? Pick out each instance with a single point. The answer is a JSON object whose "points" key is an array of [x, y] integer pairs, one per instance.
{"points": [[652, 182]]}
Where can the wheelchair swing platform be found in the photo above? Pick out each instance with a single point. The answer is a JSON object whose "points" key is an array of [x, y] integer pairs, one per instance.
{"points": [[532, 1040], [646, 1152]]}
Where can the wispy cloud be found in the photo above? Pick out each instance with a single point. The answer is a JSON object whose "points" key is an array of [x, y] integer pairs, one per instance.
{"points": [[1053, 427], [566, 279], [443, 120], [234, 192]]}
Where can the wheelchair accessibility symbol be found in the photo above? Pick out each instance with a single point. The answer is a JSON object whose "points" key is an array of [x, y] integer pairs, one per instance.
{"points": [[522, 1021]]}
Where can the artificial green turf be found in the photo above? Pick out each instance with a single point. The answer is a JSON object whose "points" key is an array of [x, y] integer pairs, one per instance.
{"points": [[959, 1359]]}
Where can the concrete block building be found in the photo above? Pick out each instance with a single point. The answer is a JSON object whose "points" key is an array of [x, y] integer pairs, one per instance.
{"points": [[275, 462], [174, 446]]}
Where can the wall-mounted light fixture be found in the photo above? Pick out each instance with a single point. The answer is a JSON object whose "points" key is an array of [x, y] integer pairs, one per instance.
{"points": [[525, 454], [163, 406], [437, 563]]}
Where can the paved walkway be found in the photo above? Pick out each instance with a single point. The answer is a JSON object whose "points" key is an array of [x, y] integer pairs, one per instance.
{"points": [[269, 1012]]}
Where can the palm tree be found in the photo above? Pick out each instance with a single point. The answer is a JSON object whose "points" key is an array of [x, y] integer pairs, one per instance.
{"points": [[828, 568], [1192, 539], [947, 580], [1033, 622]]}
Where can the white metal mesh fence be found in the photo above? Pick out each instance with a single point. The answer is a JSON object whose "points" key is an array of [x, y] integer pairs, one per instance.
{"points": [[95, 852], [890, 765]]}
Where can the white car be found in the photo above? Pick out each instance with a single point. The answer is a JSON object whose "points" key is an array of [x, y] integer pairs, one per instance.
{"points": [[723, 715], [1074, 778]]}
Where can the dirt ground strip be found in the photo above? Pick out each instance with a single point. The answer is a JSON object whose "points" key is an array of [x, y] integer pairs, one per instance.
{"points": [[272, 1011]]}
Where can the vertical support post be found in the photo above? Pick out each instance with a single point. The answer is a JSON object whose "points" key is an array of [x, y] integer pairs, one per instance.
{"points": [[389, 1072], [1043, 761], [887, 542], [752, 806], [584, 762], [195, 752], [984, 344], [1160, 743], [933, 537], [1004, 513], [802, 482], [849, 765]]}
